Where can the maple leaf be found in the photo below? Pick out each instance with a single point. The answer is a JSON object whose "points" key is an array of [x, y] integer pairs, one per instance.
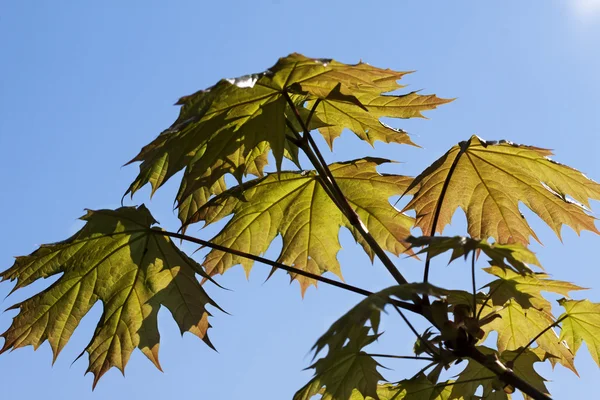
{"points": [[489, 179], [231, 126], [527, 289], [344, 370], [581, 322], [119, 259], [296, 206], [506, 256], [517, 326], [475, 375], [417, 388]]}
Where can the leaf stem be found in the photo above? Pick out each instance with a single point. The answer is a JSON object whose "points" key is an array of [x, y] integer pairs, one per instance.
{"points": [[405, 305], [412, 328], [438, 208], [488, 298], [473, 283], [402, 357], [311, 150]]}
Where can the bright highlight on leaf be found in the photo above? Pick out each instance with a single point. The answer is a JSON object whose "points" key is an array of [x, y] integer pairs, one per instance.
{"points": [[119, 260], [230, 127], [295, 206], [488, 180]]}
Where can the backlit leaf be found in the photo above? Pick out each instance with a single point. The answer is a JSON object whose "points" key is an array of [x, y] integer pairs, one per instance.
{"points": [[516, 327], [119, 260], [295, 206], [344, 371], [488, 180], [581, 322], [476, 375], [230, 127]]}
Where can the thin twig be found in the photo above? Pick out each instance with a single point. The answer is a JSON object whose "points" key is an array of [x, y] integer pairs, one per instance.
{"points": [[474, 285], [402, 357], [412, 328], [407, 306], [488, 298]]}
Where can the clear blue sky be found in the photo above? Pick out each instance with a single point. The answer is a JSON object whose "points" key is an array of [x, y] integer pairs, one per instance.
{"points": [[83, 85]]}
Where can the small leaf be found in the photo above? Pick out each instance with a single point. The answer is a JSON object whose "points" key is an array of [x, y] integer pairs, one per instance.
{"points": [[345, 371], [502, 255], [488, 180], [526, 290], [581, 322], [118, 259]]}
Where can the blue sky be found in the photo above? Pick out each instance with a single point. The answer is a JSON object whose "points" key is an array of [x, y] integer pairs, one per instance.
{"points": [[84, 85]]}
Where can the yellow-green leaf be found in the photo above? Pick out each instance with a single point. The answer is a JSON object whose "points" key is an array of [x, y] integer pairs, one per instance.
{"points": [[230, 127], [516, 327], [581, 322], [476, 375], [488, 180], [117, 258], [295, 206], [344, 371]]}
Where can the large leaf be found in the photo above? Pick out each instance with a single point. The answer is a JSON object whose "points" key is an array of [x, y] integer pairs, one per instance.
{"points": [[344, 371], [581, 322], [118, 259], [231, 126], [295, 206], [488, 180], [506, 256]]}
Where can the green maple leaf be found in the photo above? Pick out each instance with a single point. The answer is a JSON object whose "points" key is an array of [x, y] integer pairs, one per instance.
{"points": [[119, 259], [230, 127], [489, 179], [417, 388], [344, 371], [581, 322], [506, 256], [295, 206], [517, 326], [527, 289], [475, 375]]}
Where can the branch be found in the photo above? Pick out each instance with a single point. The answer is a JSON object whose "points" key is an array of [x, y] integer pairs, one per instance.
{"points": [[505, 374], [407, 306]]}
